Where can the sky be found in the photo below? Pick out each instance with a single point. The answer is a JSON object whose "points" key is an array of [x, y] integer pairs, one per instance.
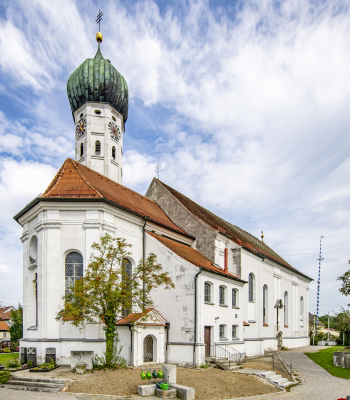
{"points": [[245, 104]]}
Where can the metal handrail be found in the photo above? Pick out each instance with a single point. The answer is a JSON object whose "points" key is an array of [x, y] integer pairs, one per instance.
{"points": [[289, 372], [227, 352]]}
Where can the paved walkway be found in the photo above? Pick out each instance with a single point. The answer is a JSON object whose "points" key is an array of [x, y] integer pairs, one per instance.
{"points": [[317, 384]]}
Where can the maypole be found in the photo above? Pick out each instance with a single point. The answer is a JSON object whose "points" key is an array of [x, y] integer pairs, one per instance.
{"points": [[320, 258]]}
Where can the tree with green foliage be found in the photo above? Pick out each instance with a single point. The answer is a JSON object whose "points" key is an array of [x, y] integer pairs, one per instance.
{"points": [[109, 290], [16, 324], [345, 286]]}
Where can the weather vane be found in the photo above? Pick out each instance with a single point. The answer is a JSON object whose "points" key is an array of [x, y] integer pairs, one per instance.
{"points": [[158, 169]]}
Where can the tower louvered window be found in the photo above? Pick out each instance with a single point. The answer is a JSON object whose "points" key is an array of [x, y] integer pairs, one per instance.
{"points": [[113, 153], [81, 150]]}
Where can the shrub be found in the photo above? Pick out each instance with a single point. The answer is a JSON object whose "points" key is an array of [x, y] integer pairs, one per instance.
{"points": [[117, 361], [4, 376], [29, 363], [13, 363], [7, 350]]}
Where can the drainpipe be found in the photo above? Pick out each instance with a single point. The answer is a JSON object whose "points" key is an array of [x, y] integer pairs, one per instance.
{"points": [[226, 261], [167, 327], [143, 258], [195, 316], [131, 346]]}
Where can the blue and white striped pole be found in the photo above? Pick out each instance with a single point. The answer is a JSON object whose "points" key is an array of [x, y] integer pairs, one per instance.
{"points": [[320, 258]]}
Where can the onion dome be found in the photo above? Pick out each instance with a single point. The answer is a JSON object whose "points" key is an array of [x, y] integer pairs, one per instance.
{"points": [[97, 80]]}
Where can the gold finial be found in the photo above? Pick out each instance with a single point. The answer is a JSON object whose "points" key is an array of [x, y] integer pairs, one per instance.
{"points": [[99, 37], [262, 236]]}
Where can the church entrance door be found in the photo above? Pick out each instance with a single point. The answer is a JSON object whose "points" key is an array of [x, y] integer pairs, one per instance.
{"points": [[207, 340], [148, 349]]}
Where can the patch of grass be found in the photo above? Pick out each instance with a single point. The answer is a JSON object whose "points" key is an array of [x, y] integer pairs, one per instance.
{"points": [[324, 358], [4, 358]]}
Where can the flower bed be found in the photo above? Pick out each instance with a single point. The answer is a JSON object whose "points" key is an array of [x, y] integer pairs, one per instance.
{"points": [[46, 367]]}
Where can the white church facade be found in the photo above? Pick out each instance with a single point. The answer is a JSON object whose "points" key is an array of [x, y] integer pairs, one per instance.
{"points": [[232, 291]]}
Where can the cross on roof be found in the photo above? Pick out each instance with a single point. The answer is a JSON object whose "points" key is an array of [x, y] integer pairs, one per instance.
{"points": [[99, 18]]}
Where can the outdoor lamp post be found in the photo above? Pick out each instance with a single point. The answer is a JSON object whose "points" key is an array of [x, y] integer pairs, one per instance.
{"points": [[328, 323]]}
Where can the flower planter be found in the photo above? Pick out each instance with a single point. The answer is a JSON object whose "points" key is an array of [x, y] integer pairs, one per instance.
{"points": [[38, 369], [80, 368]]}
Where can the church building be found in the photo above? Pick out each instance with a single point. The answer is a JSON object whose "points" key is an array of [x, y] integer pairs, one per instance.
{"points": [[232, 294]]}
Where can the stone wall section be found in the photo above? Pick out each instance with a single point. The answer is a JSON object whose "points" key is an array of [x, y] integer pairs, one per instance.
{"points": [[179, 214]]}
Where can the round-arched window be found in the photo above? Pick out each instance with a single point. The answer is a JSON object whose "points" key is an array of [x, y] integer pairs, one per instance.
{"points": [[97, 147], [113, 152], [74, 269]]}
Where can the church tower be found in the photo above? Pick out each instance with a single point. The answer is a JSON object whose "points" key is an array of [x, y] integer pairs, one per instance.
{"points": [[98, 96]]}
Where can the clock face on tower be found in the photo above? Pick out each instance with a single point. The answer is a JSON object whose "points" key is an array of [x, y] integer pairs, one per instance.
{"points": [[80, 128], [115, 131]]}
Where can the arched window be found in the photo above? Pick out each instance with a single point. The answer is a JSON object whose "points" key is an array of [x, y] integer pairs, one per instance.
{"points": [[234, 331], [207, 292], [285, 307], [113, 152], [222, 295], [301, 310], [81, 149], [234, 298], [222, 331], [97, 147], [74, 269], [265, 304], [251, 287]]}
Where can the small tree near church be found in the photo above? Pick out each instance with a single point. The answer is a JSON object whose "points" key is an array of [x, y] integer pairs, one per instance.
{"points": [[109, 290]]}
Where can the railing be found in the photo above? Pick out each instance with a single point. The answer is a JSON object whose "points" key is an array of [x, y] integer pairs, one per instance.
{"points": [[284, 367], [227, 353]]}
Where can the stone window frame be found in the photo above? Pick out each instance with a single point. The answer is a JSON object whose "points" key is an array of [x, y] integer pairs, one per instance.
{"points": [[208, 299], [235, 331], [251, 287], [222, 296], [265, 303], [77, 274], [222, 332], [235, 298]]}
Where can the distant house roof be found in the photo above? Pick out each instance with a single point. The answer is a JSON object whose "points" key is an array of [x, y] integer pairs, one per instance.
{"points": [[193, 256], [238, 235], [4, 326], [75, 181], [5, 313]]}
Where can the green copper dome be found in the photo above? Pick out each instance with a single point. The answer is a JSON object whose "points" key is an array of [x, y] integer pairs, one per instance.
{"points": [[97, 80]]}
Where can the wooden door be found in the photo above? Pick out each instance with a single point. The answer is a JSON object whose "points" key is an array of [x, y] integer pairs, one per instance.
{"points": [[207, 340]]}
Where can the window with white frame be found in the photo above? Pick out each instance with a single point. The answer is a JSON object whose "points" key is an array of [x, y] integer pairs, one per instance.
{"points": [[234, 298], [265, 304], [285, 308], [207, 292], [222, 331], [126, 277], [222, 295], [234, 331], [251, 294], [74, 269]]}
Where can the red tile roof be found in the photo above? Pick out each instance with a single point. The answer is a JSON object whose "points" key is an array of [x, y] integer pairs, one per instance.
{"points": [[75, 180], [4, 326], [134, 317], [5, 313], [245, 323], [238, 235], [191, 255]]}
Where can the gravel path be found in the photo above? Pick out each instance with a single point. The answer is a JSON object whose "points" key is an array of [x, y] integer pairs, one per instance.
{"points": [[317, 384]]}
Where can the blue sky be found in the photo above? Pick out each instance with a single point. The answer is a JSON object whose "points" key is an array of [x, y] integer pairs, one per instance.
{"points": [[245, 104]]}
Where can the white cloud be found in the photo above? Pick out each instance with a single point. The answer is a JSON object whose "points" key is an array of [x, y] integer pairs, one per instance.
{"points": [[256, 108]]}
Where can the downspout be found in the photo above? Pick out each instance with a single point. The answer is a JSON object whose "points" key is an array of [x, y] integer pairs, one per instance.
{"points": [[195, 316], [143, 259], [131, 346], [167, 327]]}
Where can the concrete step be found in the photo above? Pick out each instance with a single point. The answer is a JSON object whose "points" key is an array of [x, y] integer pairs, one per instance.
{"points": [[38, 384], [35, 384], [279, 380], [19, 378], [32, 388], [267, 373], [286, 384]]}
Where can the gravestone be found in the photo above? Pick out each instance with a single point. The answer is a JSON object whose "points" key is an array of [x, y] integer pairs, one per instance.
{"points": [[50, 354], [31, 355], [23, 355]]}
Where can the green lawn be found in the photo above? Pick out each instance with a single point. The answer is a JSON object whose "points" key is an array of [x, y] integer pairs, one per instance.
{"points": [[4, 357], [324, 358]]}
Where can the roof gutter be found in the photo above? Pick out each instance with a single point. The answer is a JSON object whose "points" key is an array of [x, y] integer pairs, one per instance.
{"points": [[94, 200]]}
